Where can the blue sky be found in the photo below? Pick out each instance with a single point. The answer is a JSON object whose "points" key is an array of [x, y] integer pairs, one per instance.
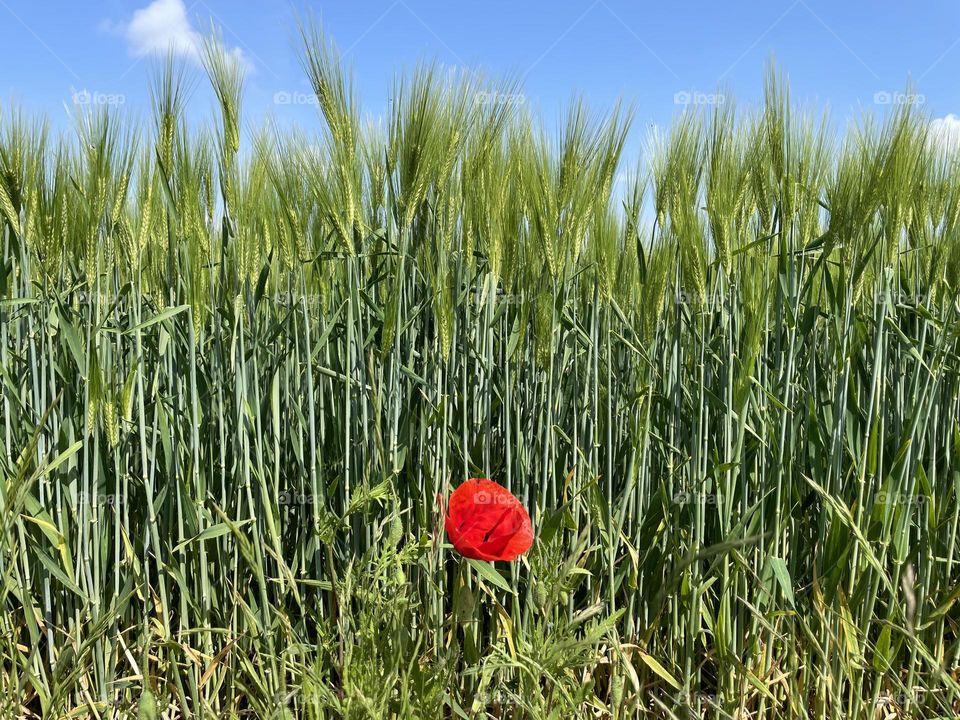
{"points": [[849, 55]]}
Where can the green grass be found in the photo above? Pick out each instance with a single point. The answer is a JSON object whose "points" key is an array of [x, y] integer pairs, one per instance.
{"points": [[237, 373]]}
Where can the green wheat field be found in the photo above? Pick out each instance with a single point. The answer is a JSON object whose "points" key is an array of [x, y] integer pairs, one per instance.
{"points": [[239, 364]]}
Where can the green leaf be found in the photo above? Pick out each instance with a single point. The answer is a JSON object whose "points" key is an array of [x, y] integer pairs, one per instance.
{"points": [[214, 531], [159, 317], [883, 652], [487, 572], [73, 343], [651, 662], [782, 575]]}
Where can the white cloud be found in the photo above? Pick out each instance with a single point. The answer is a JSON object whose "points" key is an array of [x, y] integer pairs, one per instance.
{"points": [[945, 131], [162, 26]]}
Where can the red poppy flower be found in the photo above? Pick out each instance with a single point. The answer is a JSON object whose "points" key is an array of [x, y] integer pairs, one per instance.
{"points": [[484, 521]]}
